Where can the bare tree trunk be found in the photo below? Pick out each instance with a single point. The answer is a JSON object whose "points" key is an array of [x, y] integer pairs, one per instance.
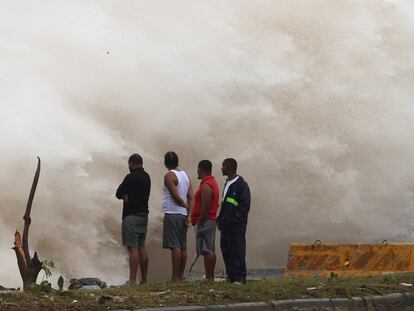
{"points": [[29, 267]]}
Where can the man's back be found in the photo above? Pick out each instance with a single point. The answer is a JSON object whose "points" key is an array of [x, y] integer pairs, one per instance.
{"points": [[134, 191], [136, 186], [214, 203], [183, 183]]}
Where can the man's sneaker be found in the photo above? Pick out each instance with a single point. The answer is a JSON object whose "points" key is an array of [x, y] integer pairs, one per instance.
{"points": [[237, 283]]}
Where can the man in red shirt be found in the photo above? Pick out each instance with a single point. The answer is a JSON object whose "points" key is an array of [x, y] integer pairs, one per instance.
{"points": [[204, 216]]}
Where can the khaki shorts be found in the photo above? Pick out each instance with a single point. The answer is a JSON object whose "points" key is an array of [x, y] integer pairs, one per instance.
{"points": [[206, 238], [134, 230]]}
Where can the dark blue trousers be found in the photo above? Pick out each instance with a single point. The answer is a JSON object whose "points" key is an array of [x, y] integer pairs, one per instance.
{"points": [[233, 248]]}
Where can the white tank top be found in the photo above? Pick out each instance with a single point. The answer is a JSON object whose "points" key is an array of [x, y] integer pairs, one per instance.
{"points": [[168, 204]]}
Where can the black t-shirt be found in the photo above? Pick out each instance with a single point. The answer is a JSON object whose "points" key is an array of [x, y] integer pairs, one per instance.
{"points": [[137, 186]]}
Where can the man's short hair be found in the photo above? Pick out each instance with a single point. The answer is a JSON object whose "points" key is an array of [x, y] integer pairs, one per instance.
{"points": [[171, 159], [135, 159], [232, 163], [206, 166]]}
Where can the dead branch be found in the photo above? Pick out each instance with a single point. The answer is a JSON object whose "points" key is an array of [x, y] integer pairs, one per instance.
{"points": [[29, 267]]}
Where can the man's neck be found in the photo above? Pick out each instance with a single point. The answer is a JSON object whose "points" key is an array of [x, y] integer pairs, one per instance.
{"points": [[231, 176]]}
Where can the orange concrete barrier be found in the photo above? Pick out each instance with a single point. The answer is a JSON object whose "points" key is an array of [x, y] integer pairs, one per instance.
{"points": [[349, 259]]}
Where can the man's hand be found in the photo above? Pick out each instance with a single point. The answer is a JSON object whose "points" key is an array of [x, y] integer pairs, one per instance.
{"points": [[125, 198], [188, 221]]}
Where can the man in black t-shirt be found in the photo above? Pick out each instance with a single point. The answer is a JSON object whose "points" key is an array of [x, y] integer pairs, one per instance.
{"points": [[135, 191]]}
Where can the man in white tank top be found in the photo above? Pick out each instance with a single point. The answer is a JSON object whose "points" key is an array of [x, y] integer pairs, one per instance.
{"points": [[177, 203]]}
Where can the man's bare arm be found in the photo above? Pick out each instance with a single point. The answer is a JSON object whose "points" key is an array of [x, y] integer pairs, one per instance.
{"points": [[191, 201], [170, 183], [206, 195]]}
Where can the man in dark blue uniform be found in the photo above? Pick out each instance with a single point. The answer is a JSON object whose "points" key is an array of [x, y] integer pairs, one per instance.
{"points": [[232, 222]]}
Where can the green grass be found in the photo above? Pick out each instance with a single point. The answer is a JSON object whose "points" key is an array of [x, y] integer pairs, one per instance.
{"points": [[197, 293]]}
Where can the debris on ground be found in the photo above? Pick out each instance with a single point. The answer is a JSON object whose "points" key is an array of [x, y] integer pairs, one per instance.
{"points": [[90, 287], [5, 290], [10, 304], [366, 288], [320, 286], [80, 283], [161, 293], [406, 284], [109, 298]]}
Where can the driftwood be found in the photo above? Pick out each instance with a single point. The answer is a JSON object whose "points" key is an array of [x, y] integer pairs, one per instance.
{"points": [[29, 267]]}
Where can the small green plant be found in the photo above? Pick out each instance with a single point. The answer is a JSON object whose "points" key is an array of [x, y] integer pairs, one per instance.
{"points": [[44, 286], [47, 267], [60, 283]]}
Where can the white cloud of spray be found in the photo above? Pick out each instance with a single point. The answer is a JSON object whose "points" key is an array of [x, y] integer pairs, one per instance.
{"points": [[314, 98]]}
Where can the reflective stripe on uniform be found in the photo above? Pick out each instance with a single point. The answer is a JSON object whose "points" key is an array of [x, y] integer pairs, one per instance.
{"points": [[232, 201]]}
